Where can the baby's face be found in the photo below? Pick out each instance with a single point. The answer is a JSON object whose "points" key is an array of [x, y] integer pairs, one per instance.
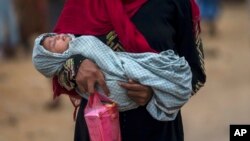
{"points": [[57, 43]]}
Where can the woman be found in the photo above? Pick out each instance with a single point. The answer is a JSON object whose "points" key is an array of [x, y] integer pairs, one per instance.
{"points": [[140, 26]]}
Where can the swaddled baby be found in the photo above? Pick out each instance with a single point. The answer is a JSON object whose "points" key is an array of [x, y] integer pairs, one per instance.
{"points": [[162, 72]]}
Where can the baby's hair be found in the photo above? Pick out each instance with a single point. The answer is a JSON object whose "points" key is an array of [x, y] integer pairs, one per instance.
{"points": [[44, 37]]}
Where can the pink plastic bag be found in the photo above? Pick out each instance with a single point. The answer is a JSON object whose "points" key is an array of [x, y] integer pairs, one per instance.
{"points": [[102, 118]]}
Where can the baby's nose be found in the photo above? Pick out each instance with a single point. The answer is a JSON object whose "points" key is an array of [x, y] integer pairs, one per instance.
{"points": [[62, 36]]}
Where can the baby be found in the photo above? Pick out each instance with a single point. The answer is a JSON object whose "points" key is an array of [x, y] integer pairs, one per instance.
{"points": [[163, 72]]}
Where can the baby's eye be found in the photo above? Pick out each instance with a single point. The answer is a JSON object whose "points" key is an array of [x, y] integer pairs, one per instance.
{"points": [[53, 44]]}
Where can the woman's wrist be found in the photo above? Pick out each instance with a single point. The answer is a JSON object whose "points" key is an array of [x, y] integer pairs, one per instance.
{"points": [[78, 59]]}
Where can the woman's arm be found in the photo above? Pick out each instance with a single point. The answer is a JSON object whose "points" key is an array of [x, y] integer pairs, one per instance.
{"points": [[189, 43], [82, 73]]}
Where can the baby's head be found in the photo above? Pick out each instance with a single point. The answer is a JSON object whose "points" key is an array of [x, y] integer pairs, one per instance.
{"points": [[49, 52], [56, 43]]}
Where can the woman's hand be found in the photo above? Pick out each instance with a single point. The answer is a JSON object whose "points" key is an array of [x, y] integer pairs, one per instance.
{"points": [[139, 93], [88, 76]]}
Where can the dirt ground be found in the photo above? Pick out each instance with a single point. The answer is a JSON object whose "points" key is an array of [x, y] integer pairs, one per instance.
{"points": [[225, 99]]}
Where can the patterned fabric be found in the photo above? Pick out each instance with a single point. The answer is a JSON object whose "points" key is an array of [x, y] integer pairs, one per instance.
{"points": [[113, 42], [166, 73], [68, 75]]}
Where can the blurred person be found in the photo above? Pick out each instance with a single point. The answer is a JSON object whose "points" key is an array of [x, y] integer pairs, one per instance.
{"points": [[248, 5], [9, 30], [34, 19], [210, 10]]}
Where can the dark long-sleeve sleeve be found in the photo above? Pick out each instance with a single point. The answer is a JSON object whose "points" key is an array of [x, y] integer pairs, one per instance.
{"points": [[189, 44]]}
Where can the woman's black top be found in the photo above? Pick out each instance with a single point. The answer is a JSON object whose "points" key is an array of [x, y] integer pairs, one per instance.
{"points": [[166, 24]]}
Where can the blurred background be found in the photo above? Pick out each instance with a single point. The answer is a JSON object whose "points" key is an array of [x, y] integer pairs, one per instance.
{"points": [[27, 112]]}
